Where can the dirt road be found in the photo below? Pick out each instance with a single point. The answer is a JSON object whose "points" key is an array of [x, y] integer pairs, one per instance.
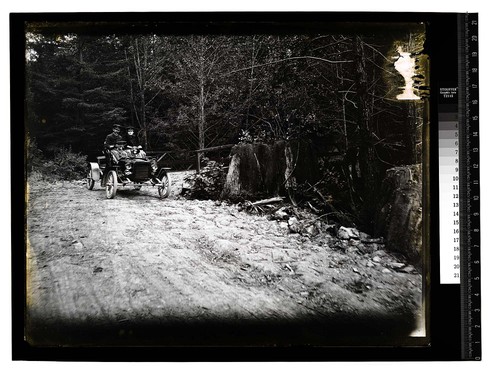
{"points": [[140, 270]]}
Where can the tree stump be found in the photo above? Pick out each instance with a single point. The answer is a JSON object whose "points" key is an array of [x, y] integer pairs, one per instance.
{"points": [[262, 170], [399, 217]]}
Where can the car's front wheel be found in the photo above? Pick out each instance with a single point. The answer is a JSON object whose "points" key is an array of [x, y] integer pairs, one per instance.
{"points": [[90, 181], [164, 187], [111, 184]]}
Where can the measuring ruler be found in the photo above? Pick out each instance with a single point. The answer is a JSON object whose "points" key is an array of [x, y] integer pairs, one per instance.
{"points": [[458, 125], [470, 287]]}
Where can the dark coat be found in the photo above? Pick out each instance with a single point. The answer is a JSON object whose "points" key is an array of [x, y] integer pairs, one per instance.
{"points": [[132, 140], [112, 139]]}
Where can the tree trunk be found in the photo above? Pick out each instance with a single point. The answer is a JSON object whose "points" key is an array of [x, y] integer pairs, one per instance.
{"points": [[366, 150], [201, 124], [290, 165], [201, 98], [143, 119], [410, 134]]}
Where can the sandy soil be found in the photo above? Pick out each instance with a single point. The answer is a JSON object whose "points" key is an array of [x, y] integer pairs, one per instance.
{"points": [[137, 270]]}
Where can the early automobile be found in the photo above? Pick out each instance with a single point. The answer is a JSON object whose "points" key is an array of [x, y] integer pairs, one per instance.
{"points": [[133, 169]]}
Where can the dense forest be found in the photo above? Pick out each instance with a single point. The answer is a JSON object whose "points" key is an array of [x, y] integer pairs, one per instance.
{"points": [[186, 92]]}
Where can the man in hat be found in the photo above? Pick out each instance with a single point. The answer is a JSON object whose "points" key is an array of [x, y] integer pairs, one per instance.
{"points": [[134, 149], [111, 143]]}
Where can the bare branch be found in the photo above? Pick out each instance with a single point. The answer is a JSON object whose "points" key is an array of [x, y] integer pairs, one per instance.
{"points": [[376, 50], [290, 59]]}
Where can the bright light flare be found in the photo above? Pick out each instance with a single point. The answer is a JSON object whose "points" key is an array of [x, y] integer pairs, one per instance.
{"points": [[405, 65]]}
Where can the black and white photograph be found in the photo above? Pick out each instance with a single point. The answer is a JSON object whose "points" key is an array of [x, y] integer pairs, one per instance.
{"points": [[194, 182]]}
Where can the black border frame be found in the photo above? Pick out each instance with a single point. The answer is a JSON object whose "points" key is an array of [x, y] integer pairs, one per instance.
{"points": [[445, 311]]}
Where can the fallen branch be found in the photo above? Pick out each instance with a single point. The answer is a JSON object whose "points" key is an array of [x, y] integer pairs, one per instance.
{"points": [[309, 222], [315, 210], [267, 201]]}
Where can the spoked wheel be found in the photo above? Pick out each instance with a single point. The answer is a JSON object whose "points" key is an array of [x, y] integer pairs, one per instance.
{"points": [[111, 184], [164, 187], [90, 181]]}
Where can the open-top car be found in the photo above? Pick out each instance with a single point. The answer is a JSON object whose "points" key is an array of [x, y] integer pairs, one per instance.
{"points": [[132, 168]]}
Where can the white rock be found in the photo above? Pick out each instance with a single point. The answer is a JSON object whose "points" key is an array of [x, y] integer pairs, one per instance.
{"points": [[78, 245], [347, 233], [312, 230], [293, 225], [283, 225], [409, 269], [397, 265], [343, 234], [281, 214]]}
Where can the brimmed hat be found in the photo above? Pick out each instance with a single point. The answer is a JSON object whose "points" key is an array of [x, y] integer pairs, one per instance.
{"points": [[116, 126]]}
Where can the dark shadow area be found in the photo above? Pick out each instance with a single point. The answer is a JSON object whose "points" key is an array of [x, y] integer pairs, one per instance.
{"points": [[352, 330]]}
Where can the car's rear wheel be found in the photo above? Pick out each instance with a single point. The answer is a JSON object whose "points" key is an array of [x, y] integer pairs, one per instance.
{"points": [[90, 181], [111, 184], [164, 187]]}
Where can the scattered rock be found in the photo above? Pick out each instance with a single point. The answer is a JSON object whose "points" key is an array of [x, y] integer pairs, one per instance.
{"points": [[78, 246], [283, 225], [312, 230], [351, 249], [347, 233], [294, 225], [343, 234], [385, 270], [377, 259], [359, 286], [369, 240], [367, 248], [409, 269], [354, 269], [97, 269], [353, 242], [245, 267], [280, 214], [332, 229], [224, 245], [287, 267], [304, 294], [364, 237], [396, 265]]}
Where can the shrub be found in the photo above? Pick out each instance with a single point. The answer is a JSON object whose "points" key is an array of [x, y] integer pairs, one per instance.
{"points": [[65, 164], [69, 165], [34, 156], [208, 184], [257, 136]]}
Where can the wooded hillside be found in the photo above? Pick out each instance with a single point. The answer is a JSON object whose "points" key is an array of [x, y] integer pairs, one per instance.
{"points": [[337, 91]]}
